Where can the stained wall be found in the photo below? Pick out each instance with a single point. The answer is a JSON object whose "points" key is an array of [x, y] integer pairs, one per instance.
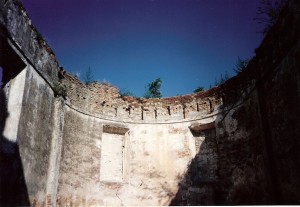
{"points": [[155, 158], [27, 108], [233, 144], [257, 137]]}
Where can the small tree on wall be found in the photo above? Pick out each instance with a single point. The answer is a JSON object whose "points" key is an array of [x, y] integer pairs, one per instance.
{"points": [[125, 92], [60, 90], [88, 76], [153, 89], [199, 89]]}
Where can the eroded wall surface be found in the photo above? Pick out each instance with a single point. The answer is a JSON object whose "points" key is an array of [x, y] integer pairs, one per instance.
{"points": [[257, 135], [233, 144], [155, 158], [27, 108], [279, 104], [35, 134]]}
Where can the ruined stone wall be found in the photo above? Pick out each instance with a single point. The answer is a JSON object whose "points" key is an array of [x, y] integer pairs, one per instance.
{"points": [[59, 146], [155, 158], [229, 167], [155, 153], [241, 156], [275, 105], [257, 135], [233, 144], [157, 147], [28, 124], [16, 26], [279, 96], [35, 134], [104, 100]]}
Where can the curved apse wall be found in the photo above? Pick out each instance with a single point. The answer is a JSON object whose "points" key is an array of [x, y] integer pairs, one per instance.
{"points": [[233, 144], [129, 151]]}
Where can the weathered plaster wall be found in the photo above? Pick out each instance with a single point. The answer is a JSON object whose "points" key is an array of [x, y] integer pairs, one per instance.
{"points": [[158, 141], [198, 185], [28, 103], [233, 144], [25, 148], [16, 26], [35, 134], [155, 159]]}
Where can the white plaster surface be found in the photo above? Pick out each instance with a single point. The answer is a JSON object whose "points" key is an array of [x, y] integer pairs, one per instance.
{"points": [[145, 172], [56, 145], [112, 158], [14, 106]]}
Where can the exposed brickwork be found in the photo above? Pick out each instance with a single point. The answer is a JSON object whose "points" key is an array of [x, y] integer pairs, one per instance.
{"points": [[233, 144], [105, 100]]}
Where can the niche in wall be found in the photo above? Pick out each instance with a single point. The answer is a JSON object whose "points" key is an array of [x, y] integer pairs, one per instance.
{"points": [[113, 153]]}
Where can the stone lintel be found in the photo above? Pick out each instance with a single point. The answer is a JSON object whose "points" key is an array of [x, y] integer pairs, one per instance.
{"points": [[115, 129], [197, 127]]}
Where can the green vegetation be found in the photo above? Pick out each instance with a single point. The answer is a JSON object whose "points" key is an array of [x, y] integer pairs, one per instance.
{"points": [[88, 76], [124, 92], [153, 89], [199, 89], [60, 90]]}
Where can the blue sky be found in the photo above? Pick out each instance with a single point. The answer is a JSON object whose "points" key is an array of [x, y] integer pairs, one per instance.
{"points": [[129, 43]]}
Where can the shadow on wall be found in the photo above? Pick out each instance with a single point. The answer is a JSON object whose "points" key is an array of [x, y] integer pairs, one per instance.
{"points": [[13, 190], [228, 170], [199, 185]]}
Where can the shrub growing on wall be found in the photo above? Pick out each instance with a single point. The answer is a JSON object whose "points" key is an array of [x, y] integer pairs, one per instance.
{"points": [[88, 76], [60, 90], [153, 89]]}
